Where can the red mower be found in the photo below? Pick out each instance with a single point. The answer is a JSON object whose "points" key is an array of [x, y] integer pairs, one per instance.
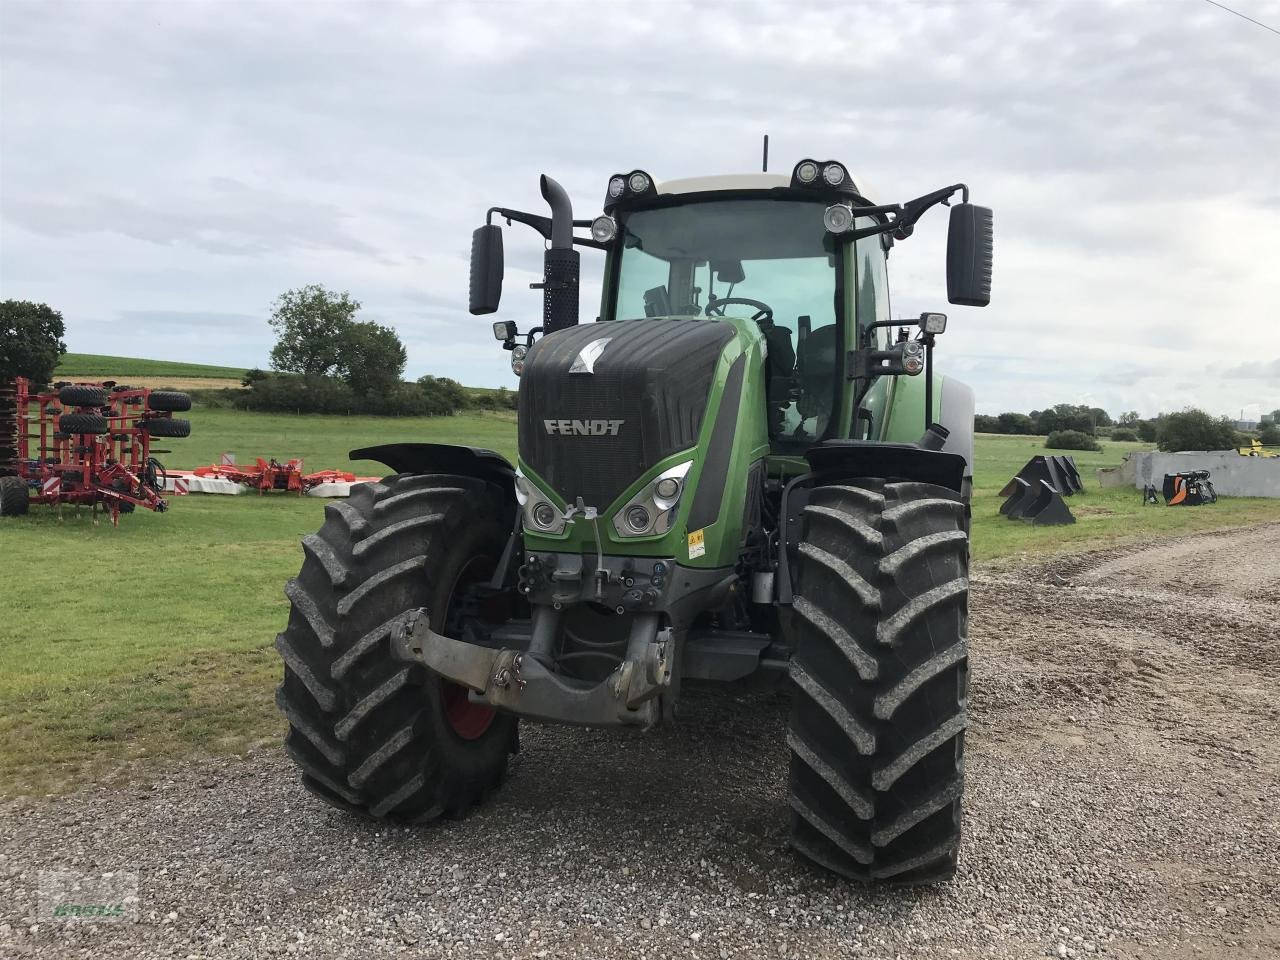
{"points": [[87, 444], [264, 475]]}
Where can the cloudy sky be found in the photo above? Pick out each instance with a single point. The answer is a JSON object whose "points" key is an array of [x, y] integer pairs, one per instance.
{"points": [[167, 169]]}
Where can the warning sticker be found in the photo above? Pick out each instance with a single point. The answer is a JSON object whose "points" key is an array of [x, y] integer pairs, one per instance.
{"points": [[697, 545]]}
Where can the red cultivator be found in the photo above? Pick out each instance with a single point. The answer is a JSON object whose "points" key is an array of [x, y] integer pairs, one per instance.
{"points": [[87, 444], [264, 475]]}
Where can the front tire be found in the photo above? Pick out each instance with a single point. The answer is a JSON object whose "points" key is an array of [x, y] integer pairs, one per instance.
{"points": [[370, 733], [880, 678]]}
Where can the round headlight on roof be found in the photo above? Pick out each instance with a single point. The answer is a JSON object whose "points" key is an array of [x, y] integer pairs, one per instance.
{"points": [[638, 182], [667, 487], [807, 171], [834, 174], [837, 218], [616, 186], [604, 228]]}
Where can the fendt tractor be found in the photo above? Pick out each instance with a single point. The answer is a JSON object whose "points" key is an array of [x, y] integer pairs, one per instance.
{"points": [[744, 469]]}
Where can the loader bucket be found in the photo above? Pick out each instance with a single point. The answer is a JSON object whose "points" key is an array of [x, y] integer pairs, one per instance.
{"points": [[1047, 508]]}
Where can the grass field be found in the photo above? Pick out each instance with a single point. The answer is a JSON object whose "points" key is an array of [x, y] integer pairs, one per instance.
{"points": [[155, 638], [100, 366]]}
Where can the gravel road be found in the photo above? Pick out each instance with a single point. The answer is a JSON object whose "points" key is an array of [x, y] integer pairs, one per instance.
{"points": [[1124, 767]]}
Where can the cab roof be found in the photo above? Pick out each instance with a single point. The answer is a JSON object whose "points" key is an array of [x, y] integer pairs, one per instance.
{"points": [[739, 181]]}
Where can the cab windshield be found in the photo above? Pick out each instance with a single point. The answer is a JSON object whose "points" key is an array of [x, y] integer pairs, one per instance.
{"points": [[768, 260]]}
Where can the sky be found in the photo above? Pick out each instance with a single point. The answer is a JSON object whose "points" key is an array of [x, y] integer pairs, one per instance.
{"points": [[168, 169]]}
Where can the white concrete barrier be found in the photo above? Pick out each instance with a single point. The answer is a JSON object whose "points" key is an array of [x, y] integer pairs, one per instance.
{"points": [[1231, 474]]}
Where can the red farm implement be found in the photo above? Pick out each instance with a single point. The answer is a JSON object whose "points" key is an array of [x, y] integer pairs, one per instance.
{"points": [[85, 443], [264, 475]]}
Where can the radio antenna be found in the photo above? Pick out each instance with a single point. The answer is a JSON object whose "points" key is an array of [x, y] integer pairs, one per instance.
{"points": [[766, 154]]}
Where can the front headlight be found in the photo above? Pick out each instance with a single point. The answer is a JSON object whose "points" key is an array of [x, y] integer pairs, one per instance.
{"points": [[652, 511], [540, 514]]}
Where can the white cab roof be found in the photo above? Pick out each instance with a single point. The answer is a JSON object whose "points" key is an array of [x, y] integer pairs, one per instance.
{"points": [[739, 181]]}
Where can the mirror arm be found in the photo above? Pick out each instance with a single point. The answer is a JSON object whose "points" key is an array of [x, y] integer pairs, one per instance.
{"points": [[904, 215], [541, 224]]}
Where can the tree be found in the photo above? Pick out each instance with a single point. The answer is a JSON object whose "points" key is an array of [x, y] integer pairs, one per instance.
{"points": [[985, 423], [1071, 440], [312, 325], [1129, 418], [1066, 416], [442, 395], [1015, 423], [372, 358], [1100, 417], [1269, 436], [30, 340], [1193, 429], [1148, 430]]}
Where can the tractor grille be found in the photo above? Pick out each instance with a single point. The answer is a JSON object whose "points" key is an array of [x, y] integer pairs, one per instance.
{"points": [[654, 376]]}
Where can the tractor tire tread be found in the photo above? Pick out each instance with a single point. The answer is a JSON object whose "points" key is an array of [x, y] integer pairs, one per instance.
{"points": [[880, 680], [368, 731]]}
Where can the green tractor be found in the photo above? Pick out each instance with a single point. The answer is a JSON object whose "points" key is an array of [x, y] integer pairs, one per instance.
{"points": [[743, 469]]}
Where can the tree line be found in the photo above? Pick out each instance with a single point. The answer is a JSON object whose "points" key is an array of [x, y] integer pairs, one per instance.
{"points": [[1078, 427]]}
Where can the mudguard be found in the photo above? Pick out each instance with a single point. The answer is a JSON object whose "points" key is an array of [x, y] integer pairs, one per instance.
{"points": [[905, 461], [443, 458]]}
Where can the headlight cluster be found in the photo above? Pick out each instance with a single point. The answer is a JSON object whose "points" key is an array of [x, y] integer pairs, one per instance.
{"points": [[518, 353], [832, 173], [652, 511], [540, 514], [627, 186]]}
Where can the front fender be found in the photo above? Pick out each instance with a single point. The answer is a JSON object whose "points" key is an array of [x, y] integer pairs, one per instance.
{"points": [[443, 458]]}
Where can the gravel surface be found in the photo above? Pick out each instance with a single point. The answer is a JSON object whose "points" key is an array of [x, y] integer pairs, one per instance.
{"points": [[1124, 765]]}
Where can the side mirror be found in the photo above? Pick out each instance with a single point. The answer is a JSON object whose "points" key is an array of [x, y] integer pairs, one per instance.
{"points": [[968, 255], [486, 269]]}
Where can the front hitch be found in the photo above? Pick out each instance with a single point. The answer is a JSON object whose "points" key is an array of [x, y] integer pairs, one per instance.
{"points": [[519, 683]]}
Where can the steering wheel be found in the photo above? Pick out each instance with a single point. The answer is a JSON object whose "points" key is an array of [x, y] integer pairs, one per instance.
{"points": [[764, 312]]}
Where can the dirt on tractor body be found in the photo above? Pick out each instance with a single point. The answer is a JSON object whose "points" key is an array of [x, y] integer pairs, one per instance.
{"points": [[1124, 760]]}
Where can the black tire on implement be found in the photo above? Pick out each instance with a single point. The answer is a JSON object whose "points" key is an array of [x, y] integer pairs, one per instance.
{"points": [[370, 733], [168, 400], [77, 395], [75, 424], [166, 427], [14, 499], [880, 681]]}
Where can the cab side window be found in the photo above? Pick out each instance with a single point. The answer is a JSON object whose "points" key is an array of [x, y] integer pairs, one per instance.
{"points": [[872, 280]]}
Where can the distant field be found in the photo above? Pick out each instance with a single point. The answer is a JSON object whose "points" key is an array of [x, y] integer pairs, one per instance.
{"points": [[323, 441], [95, 365], [155, 639]]}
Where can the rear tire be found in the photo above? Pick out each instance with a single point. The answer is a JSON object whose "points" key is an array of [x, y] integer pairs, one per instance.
{"points": [[880, 678], [370, 733], [14, 499]]}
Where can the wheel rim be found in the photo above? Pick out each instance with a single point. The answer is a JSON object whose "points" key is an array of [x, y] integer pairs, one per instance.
{"points": [[468, 720]]}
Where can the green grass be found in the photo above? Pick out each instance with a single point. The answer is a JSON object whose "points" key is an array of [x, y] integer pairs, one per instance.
{"points": [[1104, 518], [87, 365], [324, 441], [154, 639]]}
